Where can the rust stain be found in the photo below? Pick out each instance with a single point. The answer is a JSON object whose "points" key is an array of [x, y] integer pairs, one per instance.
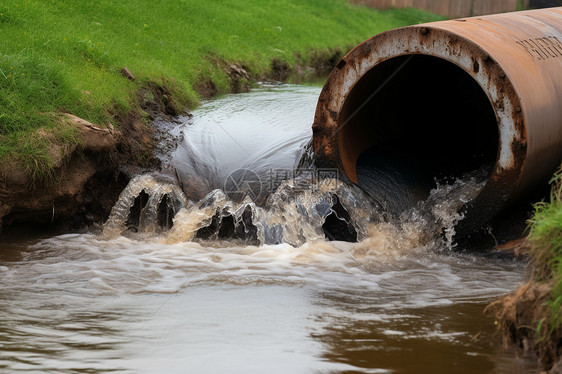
{"points": [[511, 56]]}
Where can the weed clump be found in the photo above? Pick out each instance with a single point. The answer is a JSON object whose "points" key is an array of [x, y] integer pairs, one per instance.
{"points": [[531, 317], [546, 251]]}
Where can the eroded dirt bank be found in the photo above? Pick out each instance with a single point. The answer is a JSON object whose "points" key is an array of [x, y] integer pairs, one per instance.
{"points": [[87, 178], [521, 317]]}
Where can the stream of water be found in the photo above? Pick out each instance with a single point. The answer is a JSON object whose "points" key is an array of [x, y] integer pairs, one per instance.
{"points": [[204, 278]]}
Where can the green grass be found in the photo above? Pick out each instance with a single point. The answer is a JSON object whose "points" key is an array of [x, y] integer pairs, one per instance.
{"points": [[65, 56], [546, 250]]}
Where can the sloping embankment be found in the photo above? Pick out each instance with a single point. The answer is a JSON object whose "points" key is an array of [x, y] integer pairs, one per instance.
{"points": [[531, 317]]}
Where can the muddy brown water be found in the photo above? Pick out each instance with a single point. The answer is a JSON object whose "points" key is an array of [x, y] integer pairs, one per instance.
{"points": [[396, 302]]}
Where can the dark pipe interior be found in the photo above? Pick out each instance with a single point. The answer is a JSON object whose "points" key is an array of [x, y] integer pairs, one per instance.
{"points": [[133, 220], [337, 225], [429, 120]]}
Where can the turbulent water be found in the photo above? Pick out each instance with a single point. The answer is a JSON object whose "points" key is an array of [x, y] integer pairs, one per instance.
{"points": [[198, 276], [243, 173]]}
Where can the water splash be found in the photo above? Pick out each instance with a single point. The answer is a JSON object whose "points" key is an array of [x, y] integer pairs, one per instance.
{"points": [[429, 226], [162, 199], [327, 209], [220, 144], [294, 214]]}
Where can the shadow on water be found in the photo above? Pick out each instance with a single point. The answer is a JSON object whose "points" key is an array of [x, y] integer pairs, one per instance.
{"points": [[430, 340]]}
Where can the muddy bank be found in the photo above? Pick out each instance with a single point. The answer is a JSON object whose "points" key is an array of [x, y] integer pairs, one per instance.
{"points": [[88, 177], [86, 180], [521, 319]]}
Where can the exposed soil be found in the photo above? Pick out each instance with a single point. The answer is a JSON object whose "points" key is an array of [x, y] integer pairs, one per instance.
{"points": [[88, 178], [206, 88], [318, 64], [518, 316]]}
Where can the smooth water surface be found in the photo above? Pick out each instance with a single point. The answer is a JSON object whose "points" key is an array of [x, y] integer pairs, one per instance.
{"points": [[264, 130]]}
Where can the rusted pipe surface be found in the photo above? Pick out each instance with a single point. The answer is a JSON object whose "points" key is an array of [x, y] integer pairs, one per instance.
{"points": [[449, 97]]}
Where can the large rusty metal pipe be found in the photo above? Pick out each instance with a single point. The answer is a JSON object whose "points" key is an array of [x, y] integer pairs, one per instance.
{"points": [[441, 99]]}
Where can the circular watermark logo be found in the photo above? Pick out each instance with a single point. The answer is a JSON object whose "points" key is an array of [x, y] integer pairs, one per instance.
{"points": [[242, 183]]}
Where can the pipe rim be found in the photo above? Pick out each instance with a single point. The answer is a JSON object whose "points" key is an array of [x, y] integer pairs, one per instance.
{"points": [[456, 49]]}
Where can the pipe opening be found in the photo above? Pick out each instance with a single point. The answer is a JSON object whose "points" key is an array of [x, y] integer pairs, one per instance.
{"points": [[428, 121]]}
